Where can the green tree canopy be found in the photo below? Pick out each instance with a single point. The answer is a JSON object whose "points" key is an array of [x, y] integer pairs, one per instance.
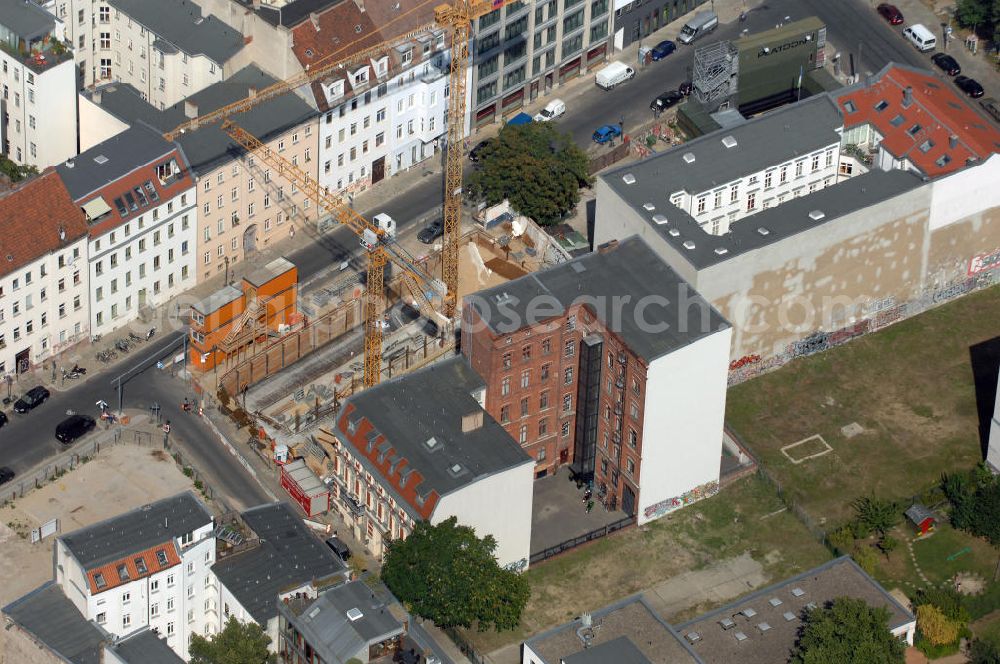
{"points": [[237, 643], [975, 501], [533, 166], [876, 514], [848, 631], [981, 15], [446, 574], [984, 652]]}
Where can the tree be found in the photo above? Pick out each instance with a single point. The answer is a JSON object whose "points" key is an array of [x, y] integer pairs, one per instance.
{"points": [[446, 574], [876, 514], [936, 627], [848, 631], [237, 643], [984, 652], [533, 166], [983, 16], [887, 545], [16, 172]]}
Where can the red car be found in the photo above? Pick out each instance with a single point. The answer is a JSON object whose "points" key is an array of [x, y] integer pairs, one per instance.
{"points": [[890, 13]]}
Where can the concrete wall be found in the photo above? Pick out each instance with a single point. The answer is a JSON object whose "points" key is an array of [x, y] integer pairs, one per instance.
{"points": [[96, 124], [682, 432], [36, 135], [475, 505], [20, 647], [993, 453]]}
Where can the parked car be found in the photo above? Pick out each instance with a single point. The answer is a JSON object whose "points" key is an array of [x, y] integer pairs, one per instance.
{"points": [[552, 110], [665, 101], [663, 49], [3, 418], [606, 133], [946, 63], [992, 107], [339, 547], [921, 38], [700, 25], [73, 427], [34, 398], [613, 74], [6, 475], [890, 13], [969, 86], [685, 88], [431, 231], [475, 152]]}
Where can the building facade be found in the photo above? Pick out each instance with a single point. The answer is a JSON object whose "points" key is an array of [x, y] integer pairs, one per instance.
{"points": [[37, 75], [526, 49], [635, 20], [138, 197], [43, 282], [582, 380], [150, 567]]}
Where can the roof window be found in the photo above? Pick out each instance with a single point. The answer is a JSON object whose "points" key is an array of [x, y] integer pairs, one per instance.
{"points": [[881, 106], [99, 581], [897, 121], [912, 131], [628, 178], [850, 107], [161, 558], [926, 146]]}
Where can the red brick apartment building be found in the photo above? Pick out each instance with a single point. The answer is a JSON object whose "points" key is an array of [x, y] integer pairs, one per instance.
{"points": [[571, 381]]}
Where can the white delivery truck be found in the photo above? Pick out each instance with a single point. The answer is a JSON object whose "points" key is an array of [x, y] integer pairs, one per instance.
{"points": [[552, 110], [700, 25], [613, 74]]}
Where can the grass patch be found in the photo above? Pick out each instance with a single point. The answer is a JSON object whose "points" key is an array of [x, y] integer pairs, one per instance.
{"points": [[933, 552], [746, 517], [874, 381]]}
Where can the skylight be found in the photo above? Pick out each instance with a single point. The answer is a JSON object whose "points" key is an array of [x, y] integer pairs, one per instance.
{"points": [[881, 106]]}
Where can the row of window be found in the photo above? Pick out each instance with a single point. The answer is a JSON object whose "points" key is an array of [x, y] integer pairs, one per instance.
{"points": [[116, 312]]}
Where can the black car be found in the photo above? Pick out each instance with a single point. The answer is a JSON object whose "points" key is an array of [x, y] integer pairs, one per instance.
{"points": [[6, 475], [3, 418], [946, 63], [338, 546], [73, 427], [431, 231], [666, 100], [474, 152], [685, 88], [31, 400], [969, 86]]}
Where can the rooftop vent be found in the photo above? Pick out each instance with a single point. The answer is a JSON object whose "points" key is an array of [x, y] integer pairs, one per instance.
{"points": [[689, 157], [729, 142], [688, 244], [659, 219], [763, 231], [953, 141], [763, 627], [70, 163], [472, 421], [721, 251], [740, 636], [101, 159], [357, 29], [199, 20], [727, 623], [774, 601], [314, 612], [354, 614], [674, 232], [788, 616], [907, 96], [798, 592], [748, 612], [816, 215], [648, 207], [628, 178], [692, 637]]}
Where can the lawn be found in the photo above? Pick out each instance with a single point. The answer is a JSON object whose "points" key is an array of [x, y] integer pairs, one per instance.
{"points": [[910, 387], [744, 517]]}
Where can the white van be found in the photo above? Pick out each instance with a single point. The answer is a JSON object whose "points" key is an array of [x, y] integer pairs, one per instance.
{"points": [[700, 25], [613, 74], [552, 110], [920, 37]]}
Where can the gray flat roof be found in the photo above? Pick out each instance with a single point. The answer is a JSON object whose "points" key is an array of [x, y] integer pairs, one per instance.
{"points": [[631, 618], [789, 132], [430, 404], [334, 635], [291, 13], [782, 221], [218, 299], [119, 155], [837, 578], [209, 147], [48, 615], [182, 23], [619, 651], [630, 279], [137, 530], [262, 275], [145, 647], [25, 19], [289, 555]]}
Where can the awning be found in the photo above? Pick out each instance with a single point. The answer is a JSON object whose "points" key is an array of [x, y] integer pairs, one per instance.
{"points": [[96, 209]]}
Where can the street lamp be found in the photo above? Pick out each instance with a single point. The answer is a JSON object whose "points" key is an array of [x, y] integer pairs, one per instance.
{"points": [[227, 270]]}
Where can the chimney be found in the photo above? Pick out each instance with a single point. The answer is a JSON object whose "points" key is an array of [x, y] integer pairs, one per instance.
{"points": [[907, 96], [361, 5], [953, 141], [607, 247], [190, 109], [314, 18], [252, 91], [472, 421]]}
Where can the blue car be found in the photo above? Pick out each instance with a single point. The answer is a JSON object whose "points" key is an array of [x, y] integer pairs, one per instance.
{"points": [[663, 49], [606, 133]]}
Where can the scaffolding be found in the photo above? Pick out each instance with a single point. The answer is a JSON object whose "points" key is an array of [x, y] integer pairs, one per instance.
{"points": [[716, 75]]}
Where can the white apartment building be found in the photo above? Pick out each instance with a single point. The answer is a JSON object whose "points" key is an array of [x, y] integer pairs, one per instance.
{"points": [[43, 279], [37, 75], [150, 567], [726, 176], [166, 49], [138, 197]]}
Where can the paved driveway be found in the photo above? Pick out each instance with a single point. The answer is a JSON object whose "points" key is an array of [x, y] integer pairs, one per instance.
{"points": [[559, 513]]}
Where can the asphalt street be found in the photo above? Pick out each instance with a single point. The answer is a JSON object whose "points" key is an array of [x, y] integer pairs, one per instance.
{"points": [[853, 26]]}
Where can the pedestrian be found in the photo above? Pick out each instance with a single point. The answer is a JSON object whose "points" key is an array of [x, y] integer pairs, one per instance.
{"points": [[621, 123]]}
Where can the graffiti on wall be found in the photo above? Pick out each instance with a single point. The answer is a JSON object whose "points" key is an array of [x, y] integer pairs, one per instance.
{"points": [[984, 262], [656, 510]]}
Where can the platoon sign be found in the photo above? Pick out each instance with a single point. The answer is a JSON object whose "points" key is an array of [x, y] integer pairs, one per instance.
{"points": [[769, 50]]}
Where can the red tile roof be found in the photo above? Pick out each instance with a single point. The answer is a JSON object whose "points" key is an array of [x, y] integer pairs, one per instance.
{"points": [[922, 132], [112, 579], [345, 28], [31, 218]]}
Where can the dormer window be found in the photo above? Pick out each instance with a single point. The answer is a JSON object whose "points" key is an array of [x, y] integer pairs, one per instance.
{"points": [[407, 56], [381, 65], [335, 90], [360, 77]]}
